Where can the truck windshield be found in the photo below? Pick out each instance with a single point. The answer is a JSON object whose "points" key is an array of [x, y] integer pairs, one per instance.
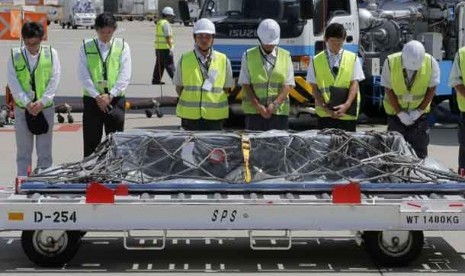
{"points": [[251, 10], [240, 18]]}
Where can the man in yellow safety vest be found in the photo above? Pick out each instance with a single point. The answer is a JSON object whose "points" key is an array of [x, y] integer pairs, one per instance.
{"points": [[164, 44], [203, 81], [410, 78], [334, 75], [104, 72], [456, 81], [33, 77], [266, 77]]}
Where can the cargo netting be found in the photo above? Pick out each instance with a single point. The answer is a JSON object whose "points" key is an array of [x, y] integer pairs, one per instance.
{"points": [[327, 156]]}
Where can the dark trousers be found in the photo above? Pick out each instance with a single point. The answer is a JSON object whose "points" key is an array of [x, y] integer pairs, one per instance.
{"points": [[462, 142], [257, 122], [417, 135], [93, 121], [328, 122], [202, 124], [164, 60]]}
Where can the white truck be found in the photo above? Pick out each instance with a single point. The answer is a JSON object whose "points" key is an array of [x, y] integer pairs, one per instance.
{"points": [[78, 13]]}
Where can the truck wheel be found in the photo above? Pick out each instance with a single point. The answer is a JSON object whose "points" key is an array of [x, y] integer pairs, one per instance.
{"points": [[63, 25], [50, 248], [393, 248], [75, 27]]}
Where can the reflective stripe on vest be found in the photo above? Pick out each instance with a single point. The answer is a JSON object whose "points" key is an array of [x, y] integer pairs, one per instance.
{"points": [[160, 39], [42, 72], [195, 102], [325, 79], [460, 98], [97, 66], [266, 89], [408, 100]]}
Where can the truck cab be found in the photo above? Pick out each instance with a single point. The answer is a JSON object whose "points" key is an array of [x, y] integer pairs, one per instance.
{"points": [[78, 13], [302, 25]]}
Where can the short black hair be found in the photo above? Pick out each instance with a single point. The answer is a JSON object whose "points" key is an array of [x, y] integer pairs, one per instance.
{"points": [[335, 30], [32, 30], [105, 19]]}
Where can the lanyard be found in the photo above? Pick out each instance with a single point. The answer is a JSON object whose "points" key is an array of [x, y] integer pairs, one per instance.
{"points": [[334, 69], [205, 65], [32, 71], [409, 83], [266, 59]]}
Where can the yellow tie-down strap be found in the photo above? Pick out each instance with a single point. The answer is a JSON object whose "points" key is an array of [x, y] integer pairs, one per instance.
{"points": [[246, 154]]}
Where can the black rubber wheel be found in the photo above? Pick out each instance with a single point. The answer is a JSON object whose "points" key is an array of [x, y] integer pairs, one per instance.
{"points": [[60, 118], [70, 119], [393, 248], [159, 114], [50, 248], [148, 113]]}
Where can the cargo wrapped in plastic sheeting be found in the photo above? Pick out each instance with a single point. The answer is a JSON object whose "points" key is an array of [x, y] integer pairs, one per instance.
{"points": [[328, 156]]}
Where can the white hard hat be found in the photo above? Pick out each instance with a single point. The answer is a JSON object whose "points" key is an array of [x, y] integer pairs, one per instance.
{"points": [[168, 11], [204, 26], [413, 54], [269, 32]]}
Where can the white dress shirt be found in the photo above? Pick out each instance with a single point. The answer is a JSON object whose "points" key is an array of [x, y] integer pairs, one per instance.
{"points": [[28, 96], [244, 76], [334, 60], [166, 29], [386, 74], [229, 81], [455, 77], [124, 76]]}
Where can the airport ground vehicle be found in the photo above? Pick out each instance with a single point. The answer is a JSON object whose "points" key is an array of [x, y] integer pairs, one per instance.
{"points": [[373, 31], [132, 9], [78, 13], [174, 180]]}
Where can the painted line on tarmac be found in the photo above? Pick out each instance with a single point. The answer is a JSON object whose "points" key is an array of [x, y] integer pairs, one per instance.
{"points": [[57, 128]]}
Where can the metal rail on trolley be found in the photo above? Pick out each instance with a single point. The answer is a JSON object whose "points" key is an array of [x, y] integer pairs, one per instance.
{"points": [[389, 217], [256, 182]]}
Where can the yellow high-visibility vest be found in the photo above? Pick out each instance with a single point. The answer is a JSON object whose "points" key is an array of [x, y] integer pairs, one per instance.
{"points": [[408, 99], [98, 67], [160, 39], [195, 102], [325, 79], [42, 73], [266, 87]]}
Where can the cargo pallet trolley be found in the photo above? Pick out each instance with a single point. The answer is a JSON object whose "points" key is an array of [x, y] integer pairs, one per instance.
{"points": [[389, 218]]}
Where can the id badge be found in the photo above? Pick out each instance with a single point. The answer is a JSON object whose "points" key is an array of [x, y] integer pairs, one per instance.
{"points": [[207, 85], [212, 75]]}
